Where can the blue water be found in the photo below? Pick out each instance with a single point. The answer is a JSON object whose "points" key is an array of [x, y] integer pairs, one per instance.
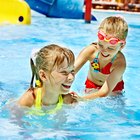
{"points": [[105, 118]]}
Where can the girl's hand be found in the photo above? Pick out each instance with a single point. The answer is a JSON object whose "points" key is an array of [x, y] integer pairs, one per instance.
{"points": [[76, 96]]}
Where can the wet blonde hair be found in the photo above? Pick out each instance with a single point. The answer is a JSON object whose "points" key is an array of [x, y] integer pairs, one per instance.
{"points": [[49, 57], [53, 56], [115, 26]]}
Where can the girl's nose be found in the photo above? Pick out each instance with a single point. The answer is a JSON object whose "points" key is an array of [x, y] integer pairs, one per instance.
{"points": [[104, 48], [71, 77]]}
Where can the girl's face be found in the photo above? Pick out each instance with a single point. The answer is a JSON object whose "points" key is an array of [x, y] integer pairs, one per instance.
{"points": [[62, 78], [109, 45], [107, 50]]}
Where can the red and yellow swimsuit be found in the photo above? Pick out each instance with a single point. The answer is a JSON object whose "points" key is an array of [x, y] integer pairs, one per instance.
{"points": [[105, 70]]}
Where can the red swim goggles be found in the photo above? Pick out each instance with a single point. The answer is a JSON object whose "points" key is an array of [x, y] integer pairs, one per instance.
{"points": [[112, 40]]}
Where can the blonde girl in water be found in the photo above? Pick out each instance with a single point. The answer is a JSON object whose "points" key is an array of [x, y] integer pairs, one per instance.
{"points": [[107, 62], [54, 74]]}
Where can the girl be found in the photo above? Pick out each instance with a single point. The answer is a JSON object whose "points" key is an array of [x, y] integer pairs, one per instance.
{"points": [[54, 73], [107, 62]]}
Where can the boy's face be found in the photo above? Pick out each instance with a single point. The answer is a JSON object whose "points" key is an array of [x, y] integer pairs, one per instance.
{"points": [[62, 77]]}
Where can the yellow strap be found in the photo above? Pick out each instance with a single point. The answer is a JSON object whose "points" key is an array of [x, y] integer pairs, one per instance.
{"points": [[37, 112], [38, 99], [38, 105], [58, 106], [38, 83]]}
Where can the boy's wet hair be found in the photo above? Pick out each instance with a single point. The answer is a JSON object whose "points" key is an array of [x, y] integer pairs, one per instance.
{"points": [[115, 26]]}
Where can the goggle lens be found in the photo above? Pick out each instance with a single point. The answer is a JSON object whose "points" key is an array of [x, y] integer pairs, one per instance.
{"points": [[112, 41], [100, 36]]}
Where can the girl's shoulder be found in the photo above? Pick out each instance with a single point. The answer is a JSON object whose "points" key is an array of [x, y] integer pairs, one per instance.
{"points": [[90, 49], [27, 98], [93, 46], [120, 61], [120, 57]]}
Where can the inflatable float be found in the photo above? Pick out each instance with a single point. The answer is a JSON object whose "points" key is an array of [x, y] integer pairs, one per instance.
{"points": [[72, 9], [14, 12]]}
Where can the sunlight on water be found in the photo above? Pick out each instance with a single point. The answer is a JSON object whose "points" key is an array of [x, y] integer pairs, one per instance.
{"points": [[111, 117]]}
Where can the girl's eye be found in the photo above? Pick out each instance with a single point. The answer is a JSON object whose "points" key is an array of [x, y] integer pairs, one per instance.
{"points": [[110, 48], [64, 73], [73, 72], [67, 73], [100, 45]]}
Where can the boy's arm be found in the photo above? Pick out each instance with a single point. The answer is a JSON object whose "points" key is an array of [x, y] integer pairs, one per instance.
{"points": [[110, 82]]}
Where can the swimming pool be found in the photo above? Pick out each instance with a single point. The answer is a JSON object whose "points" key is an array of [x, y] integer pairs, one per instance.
{"points": [[111, 117]]}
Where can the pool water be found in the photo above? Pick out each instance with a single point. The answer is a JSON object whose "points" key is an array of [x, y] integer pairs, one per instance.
{"points": [[105, 118]]}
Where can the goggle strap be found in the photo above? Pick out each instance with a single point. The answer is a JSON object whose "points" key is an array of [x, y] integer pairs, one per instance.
{"points": [[114, 40]]}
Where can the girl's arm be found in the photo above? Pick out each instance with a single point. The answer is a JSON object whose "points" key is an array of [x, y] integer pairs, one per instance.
{"points": [[70, 98], [110, 82], [83, 57]]}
